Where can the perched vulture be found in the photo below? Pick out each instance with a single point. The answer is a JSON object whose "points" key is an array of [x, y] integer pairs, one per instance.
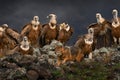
{"points": [[85, 42], [11, 33], [49, 31], [65, 32], [116, 27], [102, 32], [6, 42], [24, 47], [32, 30]]}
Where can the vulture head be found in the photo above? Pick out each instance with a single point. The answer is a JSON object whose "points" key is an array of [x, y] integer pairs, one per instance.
{"points": [[88, 39], [52, 18], [5, 26], [64, 26], [115, 13], [99, 18], [25, 44], [67, 27], [91, 31], [35, 22], [115, 22]]}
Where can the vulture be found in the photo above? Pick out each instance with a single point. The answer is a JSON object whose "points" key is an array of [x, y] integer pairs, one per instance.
{"points": [[24, 47], [65, 32], [7, 42], [85, 43], [11, 33], [32, 30], [49, 31], [116, 27], [102, 32]]}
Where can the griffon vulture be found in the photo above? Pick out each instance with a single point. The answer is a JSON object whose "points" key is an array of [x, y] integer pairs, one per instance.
{"points": [[116, 27], [65, 32], [49, 30], [32, 30], [7, 42], [24, 47], [102, 32]]}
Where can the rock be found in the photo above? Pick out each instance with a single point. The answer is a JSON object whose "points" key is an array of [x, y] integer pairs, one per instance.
{"points": [[27, 60], [118, 48], [46, 48], [9, 65], [43, 71], [36, 52], [52, 54], [32, 75], [16, 73], [103, 50], [55, 43], [52, 61]]}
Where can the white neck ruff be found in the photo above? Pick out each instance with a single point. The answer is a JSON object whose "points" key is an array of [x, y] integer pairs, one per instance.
{"points": [[101, 20], [24, 48], [52, 27], [115, 25], [88, 42], [35, 22]]}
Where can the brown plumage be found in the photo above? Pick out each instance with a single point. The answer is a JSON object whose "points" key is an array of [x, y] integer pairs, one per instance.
{"points": [[68, 54], [49, 31], [24, 47], [32, 31], [65, 32], [11, 33], [6, 42], [102, 32], [116, 27]]}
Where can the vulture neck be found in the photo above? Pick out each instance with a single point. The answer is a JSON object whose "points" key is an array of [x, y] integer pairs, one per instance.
{"points": [[89, 42], [35, 27], [115, 22], [35, 24], [25, 46], [52, 26], [100, 20]]}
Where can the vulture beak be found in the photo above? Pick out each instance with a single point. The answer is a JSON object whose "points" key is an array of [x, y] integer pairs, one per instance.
{"points": [[99, 18]]}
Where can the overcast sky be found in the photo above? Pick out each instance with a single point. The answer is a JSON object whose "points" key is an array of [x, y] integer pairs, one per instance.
{"points": [[77, 13]]}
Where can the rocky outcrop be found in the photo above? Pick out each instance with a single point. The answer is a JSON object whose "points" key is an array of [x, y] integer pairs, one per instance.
{"points": [[40, 65]]}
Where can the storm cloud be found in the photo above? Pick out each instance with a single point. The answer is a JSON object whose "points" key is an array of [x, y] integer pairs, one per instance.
{"points": [[77, 13]]}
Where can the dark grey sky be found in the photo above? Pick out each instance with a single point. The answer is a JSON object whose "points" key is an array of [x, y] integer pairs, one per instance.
{"points": [[77, 13]]}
